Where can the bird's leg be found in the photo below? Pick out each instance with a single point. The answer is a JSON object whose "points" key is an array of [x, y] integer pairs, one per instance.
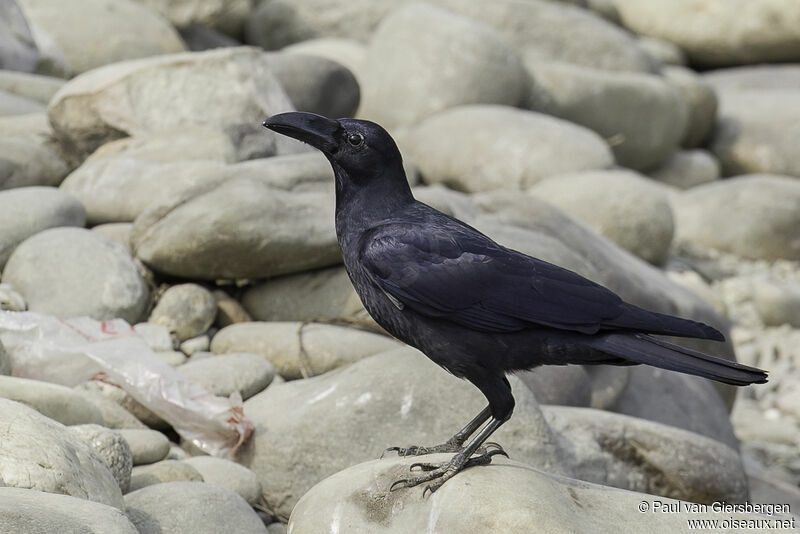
{"points": [[442, 472], [453, 444]]}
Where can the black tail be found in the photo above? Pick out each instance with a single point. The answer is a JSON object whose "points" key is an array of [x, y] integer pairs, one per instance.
{"points": [[635, 318], [641, 348]]}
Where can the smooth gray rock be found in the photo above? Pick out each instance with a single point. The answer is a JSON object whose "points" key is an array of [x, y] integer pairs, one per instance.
{"points": [[5, 361], [309, 429], [10, 299], [641, 116], [34, 86], [41, 454], [122, 29], [778, 76], [195, 344], [678, 400], [112, 447], [664, 52], [720, 32], [702, 100], [191, 508], [117, 232], [624, 206], [567, 385], [272, 231], [18, 50], [121, 178], [755, 131], [507, 496], [687, 168], [187, 310], [29, 156], [163, 471], [299, 349], [228, 373], [460, 62], [229, 475], [347, 52], [481, 148], [11, 104], [78, 273], [57, 402], [147, 446], [157, 336], [37, 512], [753, 216], [777, 302], [214, 13], [115, 393], [138, 98], [631, 453], [29, 210], [113, 415], [320, 295], [316, 84]]}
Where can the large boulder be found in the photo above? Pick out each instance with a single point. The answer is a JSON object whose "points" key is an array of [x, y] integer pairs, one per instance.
{"points": [[78, 272], [242, 227], [309, 429], [481, 148], [459, 61], [231, 89], [720, 32], [641, 115], [120, 30], [624, 206], [41, 454], [752, 216], [29, 210], [507, 496]]}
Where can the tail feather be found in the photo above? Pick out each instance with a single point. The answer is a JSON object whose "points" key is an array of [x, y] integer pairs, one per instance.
{"points": [[641, 348], [635, 318]]}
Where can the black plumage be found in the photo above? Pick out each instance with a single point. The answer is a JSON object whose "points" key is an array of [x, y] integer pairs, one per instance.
{"points": [[478, 309]]}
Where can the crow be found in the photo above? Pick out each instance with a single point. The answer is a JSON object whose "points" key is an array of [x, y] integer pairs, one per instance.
{"points": [[476, 308]]}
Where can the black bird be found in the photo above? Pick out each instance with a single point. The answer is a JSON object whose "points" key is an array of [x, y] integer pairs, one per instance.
{"points": [[477, 308]]}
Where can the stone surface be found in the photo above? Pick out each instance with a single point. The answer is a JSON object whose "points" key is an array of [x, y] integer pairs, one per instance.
{"points": [[481, 148], [347, 52], [319, 295], [113, 415], [139, 97], [122, 29], [57, 402], [687, 168], [163, 471], [230, 475], [659, 460], [702, 100], [41, 454], [720, 32], [112, 447], [214, 13], [18, 50], [11, 104], [777, 302], [622, 205], [121, 178], [5, 361], [567, 385], [678, 400], [301, 349], [115, 393], [29, 210], [507, 496], [187, 310], [147, 446], [10, 299], [316, 84], [752, 216], [272, 231], [406, 78], [755, 131], [34, 86], [24, 510], [229, 310], [78, 273], [664, 52], [157, 336], [117, 232], [309, 429], [191, 508], [28, 154], [228, 373], [641, 116]]}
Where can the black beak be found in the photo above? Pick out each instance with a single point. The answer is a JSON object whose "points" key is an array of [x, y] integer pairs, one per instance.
{"points": [[316, 130]]}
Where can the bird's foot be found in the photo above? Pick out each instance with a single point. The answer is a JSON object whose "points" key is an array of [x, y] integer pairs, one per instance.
{"points": [[439, 473], [416, 450]]}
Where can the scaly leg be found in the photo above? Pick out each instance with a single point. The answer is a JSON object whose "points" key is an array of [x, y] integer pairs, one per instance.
{"points": [[453, 444]]}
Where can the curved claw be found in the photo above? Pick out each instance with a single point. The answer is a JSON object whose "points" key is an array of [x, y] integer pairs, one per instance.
{"points": [[424, 466], [427, 489], [390, 449], [402, 481]]}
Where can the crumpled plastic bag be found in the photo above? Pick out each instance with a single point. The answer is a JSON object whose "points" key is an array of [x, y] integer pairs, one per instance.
{"points": [[71, 351]]}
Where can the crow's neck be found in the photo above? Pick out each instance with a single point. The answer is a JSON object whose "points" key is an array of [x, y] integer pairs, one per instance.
{"points": [[362, 204]]}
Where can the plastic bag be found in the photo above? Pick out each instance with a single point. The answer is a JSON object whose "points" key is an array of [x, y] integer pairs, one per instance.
{"points": [[71, 351]]}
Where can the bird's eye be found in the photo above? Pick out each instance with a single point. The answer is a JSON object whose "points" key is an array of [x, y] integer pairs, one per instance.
{"points": [[355, 139]]}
